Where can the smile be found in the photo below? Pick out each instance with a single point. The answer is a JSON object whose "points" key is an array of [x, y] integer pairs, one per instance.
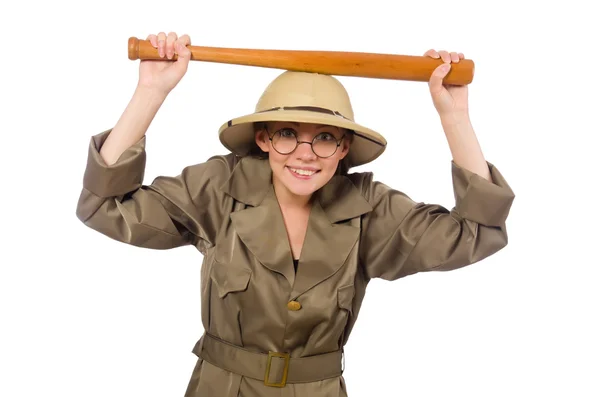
{"points": [[301, 172]]}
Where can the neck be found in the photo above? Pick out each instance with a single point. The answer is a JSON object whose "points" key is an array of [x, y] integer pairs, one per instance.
{"points": [[288, 199]]}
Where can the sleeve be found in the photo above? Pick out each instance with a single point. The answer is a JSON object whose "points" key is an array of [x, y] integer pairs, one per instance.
{"points": [[401, 237], [170, 212]]}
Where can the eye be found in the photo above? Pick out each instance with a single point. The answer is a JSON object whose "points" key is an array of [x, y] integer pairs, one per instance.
{"points": [[287, 133], [325, 136]]}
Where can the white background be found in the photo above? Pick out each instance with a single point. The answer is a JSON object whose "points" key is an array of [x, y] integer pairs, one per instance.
{"points": [[82, 315]]}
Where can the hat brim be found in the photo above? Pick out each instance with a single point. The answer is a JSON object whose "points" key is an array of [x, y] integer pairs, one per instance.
{"points": [[237, 135]]}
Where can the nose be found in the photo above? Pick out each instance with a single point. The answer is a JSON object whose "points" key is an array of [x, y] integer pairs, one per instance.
{"points": [[304, 151]]}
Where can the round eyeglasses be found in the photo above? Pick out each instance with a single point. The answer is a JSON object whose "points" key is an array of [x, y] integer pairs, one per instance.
{"points": [[323, 145]]}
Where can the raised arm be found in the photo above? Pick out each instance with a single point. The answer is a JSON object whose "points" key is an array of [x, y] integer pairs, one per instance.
{"points": [[170, 212], [402, 237], [156, 80]]}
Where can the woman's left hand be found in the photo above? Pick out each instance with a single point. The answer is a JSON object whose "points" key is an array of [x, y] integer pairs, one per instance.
{"points": [[449, 100]]}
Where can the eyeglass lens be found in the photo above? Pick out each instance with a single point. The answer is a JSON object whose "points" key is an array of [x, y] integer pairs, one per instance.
{"points": [[323, 145]]}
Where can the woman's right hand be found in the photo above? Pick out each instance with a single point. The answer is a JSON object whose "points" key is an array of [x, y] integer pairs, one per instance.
{"points": [[162, 76]]}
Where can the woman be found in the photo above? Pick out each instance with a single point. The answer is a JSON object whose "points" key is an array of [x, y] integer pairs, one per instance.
{"points": [[290, 239]]}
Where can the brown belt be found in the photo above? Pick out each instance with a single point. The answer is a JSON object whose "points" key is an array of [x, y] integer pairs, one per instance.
{"points": [[276, 369]]}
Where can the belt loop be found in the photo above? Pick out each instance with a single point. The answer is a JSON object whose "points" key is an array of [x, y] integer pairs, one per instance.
{"points": [[197, 350]]}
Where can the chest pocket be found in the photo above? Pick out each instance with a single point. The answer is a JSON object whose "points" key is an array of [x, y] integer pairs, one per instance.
{"points": [[228, 279], [228, 298]]}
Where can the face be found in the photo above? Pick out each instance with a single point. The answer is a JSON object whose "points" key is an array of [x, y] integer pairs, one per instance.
{"points": [[302, 172]]}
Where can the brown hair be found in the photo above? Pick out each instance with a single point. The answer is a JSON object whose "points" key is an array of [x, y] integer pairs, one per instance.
{"points": [[343, 165]]}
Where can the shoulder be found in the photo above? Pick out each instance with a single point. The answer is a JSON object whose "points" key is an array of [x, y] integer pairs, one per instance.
{"points": [[217, 168], [244, 178], [372, 190], [361, 180], [366, 184]]}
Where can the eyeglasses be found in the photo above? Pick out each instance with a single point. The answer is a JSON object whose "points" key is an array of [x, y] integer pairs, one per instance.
{"points": [[324, 144]]}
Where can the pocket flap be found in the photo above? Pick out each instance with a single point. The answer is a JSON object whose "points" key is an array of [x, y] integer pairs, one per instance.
{"points": [[230, 279], [345, 296]]}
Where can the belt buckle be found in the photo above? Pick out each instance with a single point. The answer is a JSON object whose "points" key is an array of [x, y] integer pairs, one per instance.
{"points": [[286, 367]]}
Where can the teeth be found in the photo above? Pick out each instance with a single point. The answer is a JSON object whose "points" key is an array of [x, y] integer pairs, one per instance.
{"points": [[302, 172]]}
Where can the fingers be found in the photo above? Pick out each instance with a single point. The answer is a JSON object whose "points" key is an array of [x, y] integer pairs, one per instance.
{"points": [[436, 81], [437, 78], [183, 53], [169, 45], [432, 53], [185, 40], [170, 51], [181, 46], [447, 57], [153, 40], [162, 41]]}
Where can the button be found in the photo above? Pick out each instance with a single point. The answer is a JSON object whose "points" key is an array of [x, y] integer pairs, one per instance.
{"points": [[294, 305]]}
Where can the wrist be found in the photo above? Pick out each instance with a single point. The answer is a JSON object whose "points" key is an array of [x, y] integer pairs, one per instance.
{"points": [[150, 95], [455, 118]]}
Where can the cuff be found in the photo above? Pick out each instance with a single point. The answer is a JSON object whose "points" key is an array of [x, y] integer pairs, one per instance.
{"points": [[479, 200], [122, 177]]}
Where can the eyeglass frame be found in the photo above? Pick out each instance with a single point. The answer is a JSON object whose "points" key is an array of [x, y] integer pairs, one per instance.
{"points": [[337, 142]]}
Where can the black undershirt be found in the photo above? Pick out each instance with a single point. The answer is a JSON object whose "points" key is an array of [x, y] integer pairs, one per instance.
{"points": [[296, 265]]}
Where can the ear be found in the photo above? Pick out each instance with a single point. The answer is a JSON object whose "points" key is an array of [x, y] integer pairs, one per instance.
{"points": [[345, 146], [262, 140]]}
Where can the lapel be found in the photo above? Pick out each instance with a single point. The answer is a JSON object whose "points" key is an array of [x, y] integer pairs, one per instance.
{"points": [[260, 225], [262, 230]]}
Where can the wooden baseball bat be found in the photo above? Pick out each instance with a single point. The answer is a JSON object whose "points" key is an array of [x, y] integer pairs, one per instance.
{"points": [[357, 64]]}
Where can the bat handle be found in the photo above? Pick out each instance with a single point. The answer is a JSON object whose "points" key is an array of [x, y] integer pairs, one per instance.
{"points": [[143, 49]]}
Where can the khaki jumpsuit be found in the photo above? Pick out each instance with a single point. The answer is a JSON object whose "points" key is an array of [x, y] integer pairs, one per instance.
{"points": [[269, 330]]}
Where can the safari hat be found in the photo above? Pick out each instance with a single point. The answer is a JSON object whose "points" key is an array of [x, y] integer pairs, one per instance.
{"points": [[305, 98]]}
